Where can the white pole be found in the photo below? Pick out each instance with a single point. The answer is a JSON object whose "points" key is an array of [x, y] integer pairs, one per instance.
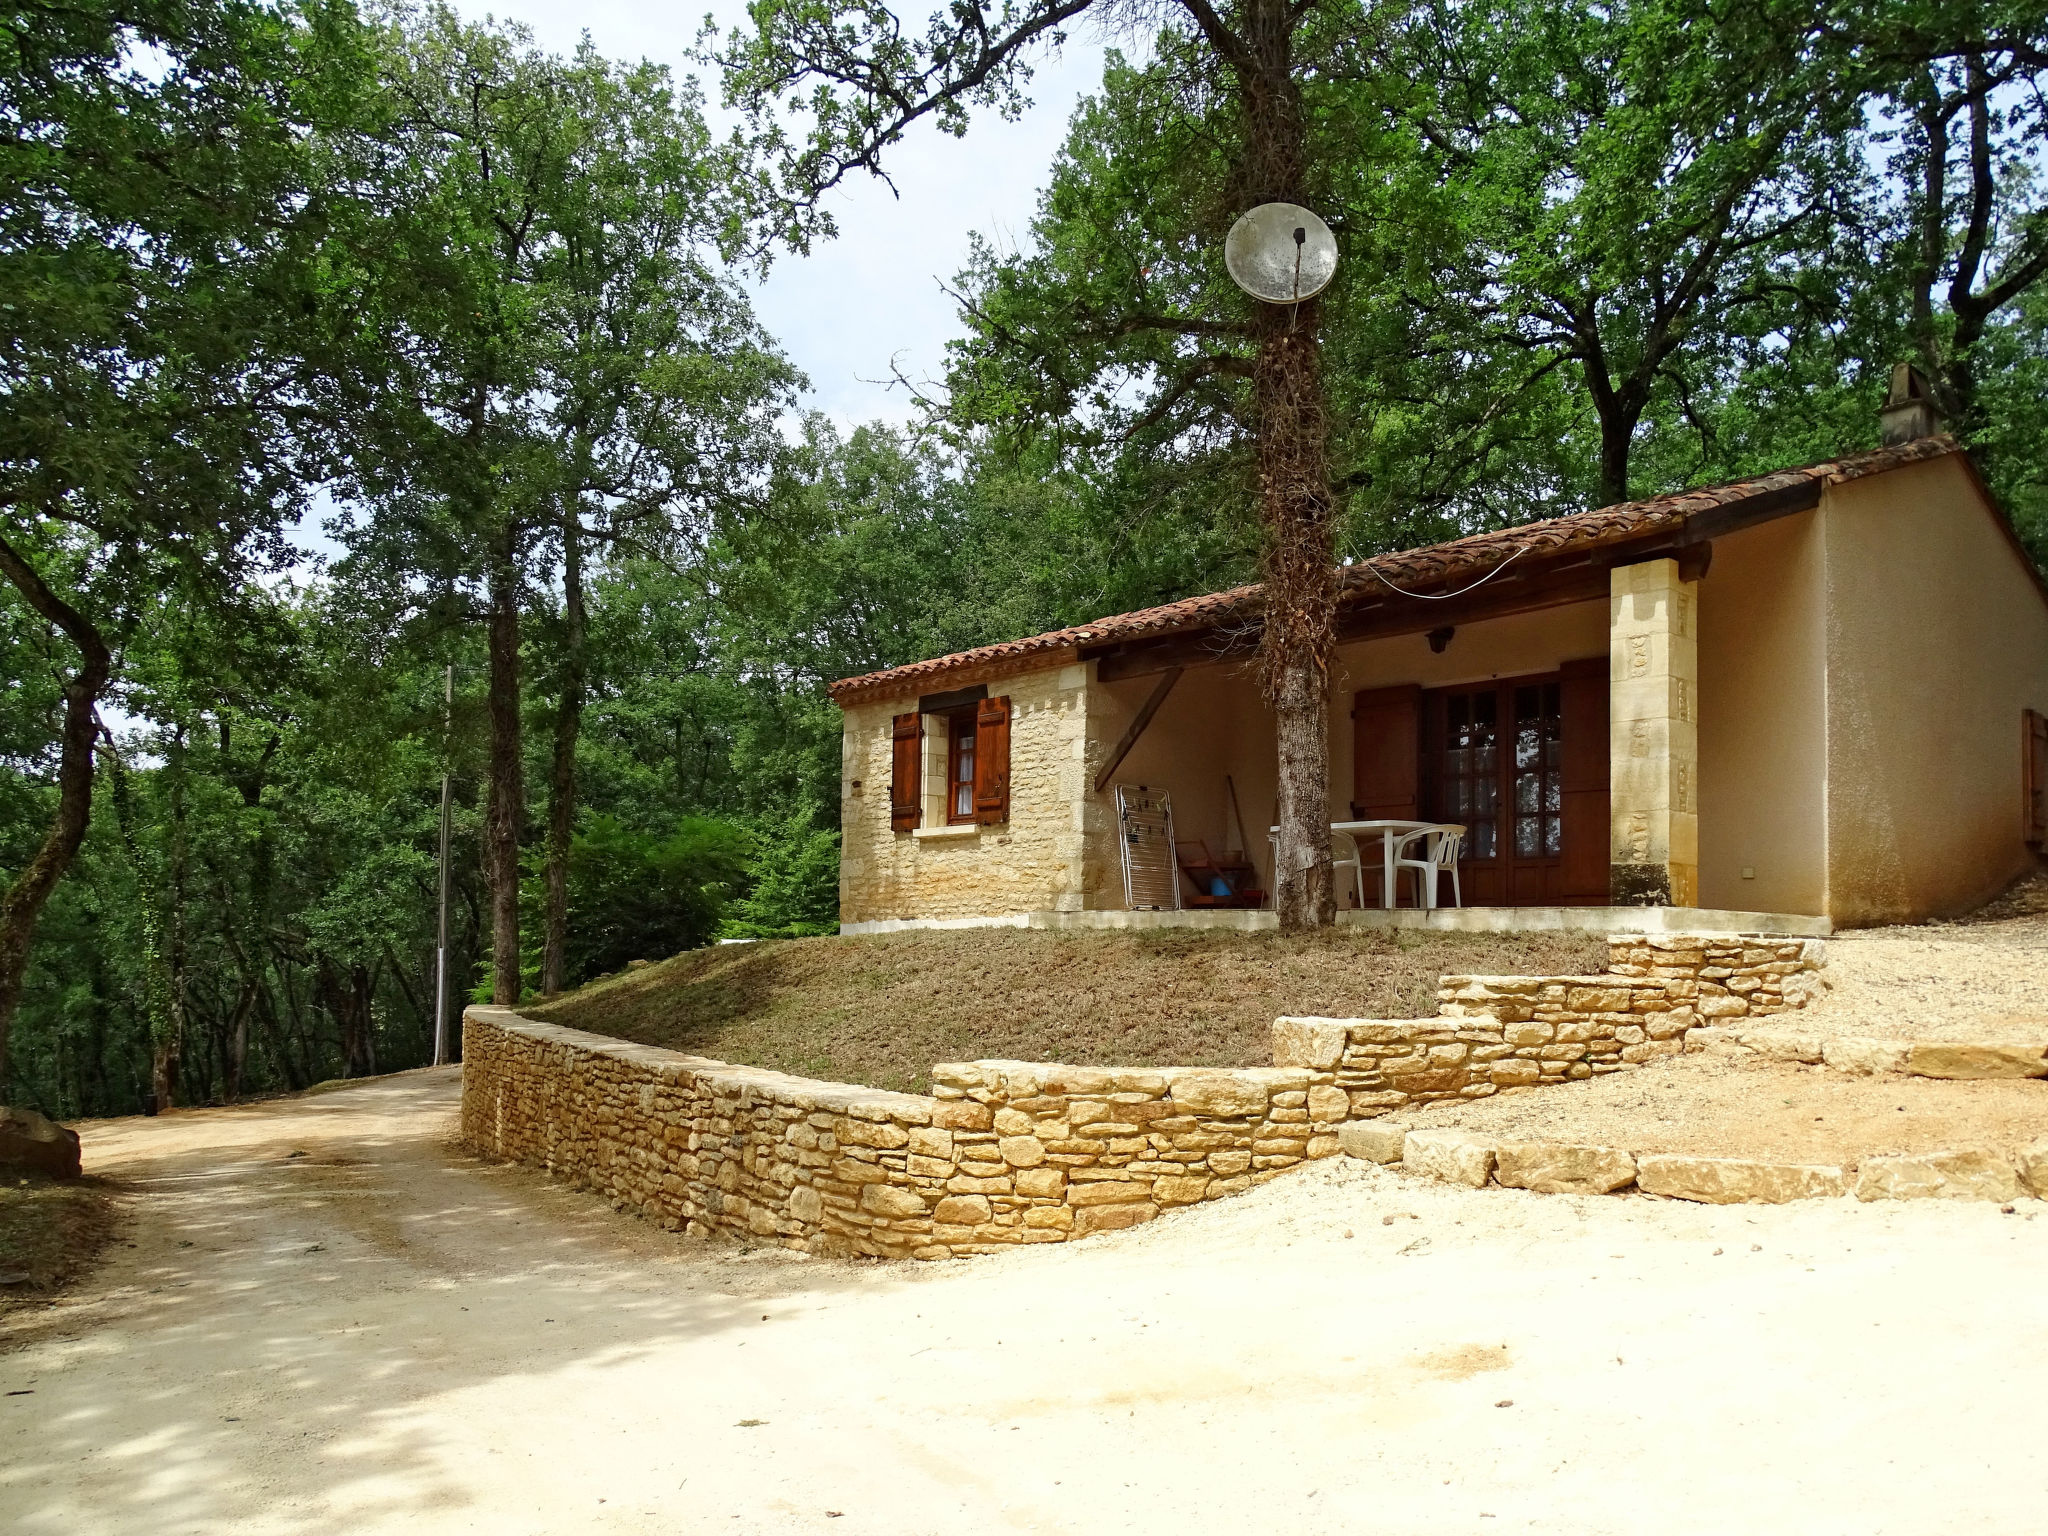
{"points": [[441, 946]]}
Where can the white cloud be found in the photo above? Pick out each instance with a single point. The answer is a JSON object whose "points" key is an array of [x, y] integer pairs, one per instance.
{"points": [[870, 298]]}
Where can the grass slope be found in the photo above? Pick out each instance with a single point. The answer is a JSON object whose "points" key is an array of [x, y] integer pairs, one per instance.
{"points": [[881, 1010]]}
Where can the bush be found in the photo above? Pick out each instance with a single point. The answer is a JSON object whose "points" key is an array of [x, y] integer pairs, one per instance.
{"points": [[794, 880]]}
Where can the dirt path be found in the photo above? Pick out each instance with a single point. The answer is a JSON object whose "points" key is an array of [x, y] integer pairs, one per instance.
{"points": [[382, 1335]]}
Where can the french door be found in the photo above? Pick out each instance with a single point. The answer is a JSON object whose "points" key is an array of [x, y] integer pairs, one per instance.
{"points": [[1521, 762]]}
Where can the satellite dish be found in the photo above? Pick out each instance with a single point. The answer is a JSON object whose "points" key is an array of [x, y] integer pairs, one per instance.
{"points": [[1280, 253]]}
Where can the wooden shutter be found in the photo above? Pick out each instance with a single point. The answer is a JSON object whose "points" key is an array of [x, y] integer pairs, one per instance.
{"points": [[992, 761], [1582, 873], [2034, 775], [905, 772], [1386, 753]]}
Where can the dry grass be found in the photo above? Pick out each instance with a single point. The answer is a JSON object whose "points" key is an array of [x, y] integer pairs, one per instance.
{"points": [[881, 1010], [51, 1230]]}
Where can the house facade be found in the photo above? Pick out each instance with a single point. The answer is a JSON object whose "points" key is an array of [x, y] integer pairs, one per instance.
{"points": [[1818, 693]]}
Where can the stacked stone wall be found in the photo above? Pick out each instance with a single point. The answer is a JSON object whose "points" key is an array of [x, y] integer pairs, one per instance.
{"points": [[1501, 1032], [1030, 863], [1002, 1153]]}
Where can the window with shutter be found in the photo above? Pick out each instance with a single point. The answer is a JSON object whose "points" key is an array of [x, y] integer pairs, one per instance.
{"points": [[2034, 775], [906, 765], [992, 761]]}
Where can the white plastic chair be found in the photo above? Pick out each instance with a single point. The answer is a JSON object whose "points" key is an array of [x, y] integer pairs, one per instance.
{"points": [[1355, 863], [1441, 854]]}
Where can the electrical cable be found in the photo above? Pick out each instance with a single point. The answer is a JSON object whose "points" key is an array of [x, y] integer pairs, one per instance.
{"points": [[1438, 597]]}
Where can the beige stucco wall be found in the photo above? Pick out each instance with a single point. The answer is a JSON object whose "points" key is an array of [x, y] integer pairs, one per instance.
{"points": [[1936, 640], [1763, 720], [1032, 863]]}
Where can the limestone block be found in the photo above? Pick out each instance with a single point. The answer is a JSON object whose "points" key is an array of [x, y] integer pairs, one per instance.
{"points": [[1022, 1151], [888, 1200], [962, 1210], [1515, 1074], [1722, 1007], [1935, 1058], [2032, 1163], [806, 1205], [1975, 1173], [1782, 1045], [1227, 1094], [962, 1115], [1456, 1157], [1736, 1180], [1327, 1105], [1184, 1189], [1531, 1032], [1041, 1183], [1314, 1043], [1057, 1218], [1555, 1168], [1110, 1218], [1855, 1053], [1374, 1140], [1230, 1163], [1107, 1193]]}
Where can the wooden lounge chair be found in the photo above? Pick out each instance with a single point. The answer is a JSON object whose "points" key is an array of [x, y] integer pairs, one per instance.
{"points": [[1227, 881]]}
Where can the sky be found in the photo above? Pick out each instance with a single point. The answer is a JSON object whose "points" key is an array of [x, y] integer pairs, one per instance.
{"points": [[869, 299]]}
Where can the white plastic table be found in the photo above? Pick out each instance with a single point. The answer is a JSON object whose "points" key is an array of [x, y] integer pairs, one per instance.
{"points": [[1393, 836]]}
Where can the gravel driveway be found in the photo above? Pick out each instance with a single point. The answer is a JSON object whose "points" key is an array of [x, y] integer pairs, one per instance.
{"points": [[379, 1334]]}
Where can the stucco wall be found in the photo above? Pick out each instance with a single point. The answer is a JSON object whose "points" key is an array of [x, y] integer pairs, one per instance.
{"points": [[1763, 720], [1032, 863], [1936, 640], [1211, 725]]}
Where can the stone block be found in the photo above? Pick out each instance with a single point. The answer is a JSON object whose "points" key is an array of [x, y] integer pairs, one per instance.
{"points": [[888, 1200], [1229, 1163], [1556, 1168], [1327, 1105], [962, 1115], [1051, 1218], [1456, 1157], [1022, 1151], [1308, 1042], [1107, 1193], [1940, 1058], [1974, 1173], [32, 1143], [1222, 1094], [1515, 1074], [1736, 1180], [1111, 1218], [925, 1141], [962, 1210], [1855, 1053], [1041, 1183], [1784, 1045], [2032, 1163], [1184, 1189], [873, 1133], [806, 1205], [1373, 1140]]}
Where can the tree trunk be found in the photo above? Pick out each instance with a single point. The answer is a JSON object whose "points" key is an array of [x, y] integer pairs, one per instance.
{"points": [[562, 781], [1294, 494], [507, 807], [25, 898]]}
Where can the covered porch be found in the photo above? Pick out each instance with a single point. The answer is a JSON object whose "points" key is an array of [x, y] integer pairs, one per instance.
{"points": [[1557, 717]]}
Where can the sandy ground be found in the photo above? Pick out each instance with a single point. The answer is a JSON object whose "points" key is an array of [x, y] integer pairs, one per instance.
{"points": [[1984, 979], [1729, 1106], [381, 1335]]}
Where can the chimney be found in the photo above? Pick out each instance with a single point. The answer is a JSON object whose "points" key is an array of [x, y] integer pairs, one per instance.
{"points": [[1909, 409]]}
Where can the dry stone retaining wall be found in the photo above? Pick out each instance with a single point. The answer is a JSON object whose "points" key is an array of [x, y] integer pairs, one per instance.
{"points": [[1495, 1032], [1001, 1153]]}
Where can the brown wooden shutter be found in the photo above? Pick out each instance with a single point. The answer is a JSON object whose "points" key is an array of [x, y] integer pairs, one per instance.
{"points": [[2034, 775], [1386, 754], [1584, 832], [992, 761], [905, 772]]}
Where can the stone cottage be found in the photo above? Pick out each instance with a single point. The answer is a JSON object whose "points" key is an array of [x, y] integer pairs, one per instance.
{"points": [[1814, 698]]}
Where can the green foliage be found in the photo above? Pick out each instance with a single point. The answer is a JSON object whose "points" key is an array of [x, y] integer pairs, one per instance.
{"points": [[794, 874], [640, 896]]}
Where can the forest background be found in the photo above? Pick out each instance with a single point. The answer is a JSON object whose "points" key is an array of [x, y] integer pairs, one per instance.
{"points": [[477, 311]]}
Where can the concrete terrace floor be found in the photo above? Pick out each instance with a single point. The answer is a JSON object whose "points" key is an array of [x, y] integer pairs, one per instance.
{"points": [[328, 1318]]}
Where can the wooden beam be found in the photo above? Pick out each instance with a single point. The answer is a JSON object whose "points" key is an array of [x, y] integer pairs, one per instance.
{"points": [[1137, 726]]}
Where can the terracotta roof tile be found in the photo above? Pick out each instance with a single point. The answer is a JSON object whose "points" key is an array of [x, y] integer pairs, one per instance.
{"points": [[1436, 565]]}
